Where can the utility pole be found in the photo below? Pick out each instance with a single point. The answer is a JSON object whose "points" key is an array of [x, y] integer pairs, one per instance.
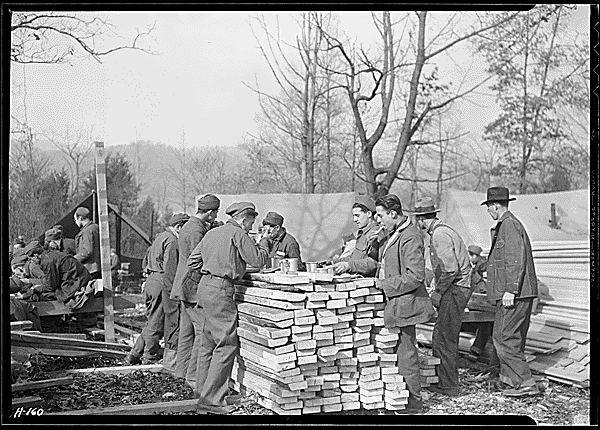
{"points": [[109, 317]]}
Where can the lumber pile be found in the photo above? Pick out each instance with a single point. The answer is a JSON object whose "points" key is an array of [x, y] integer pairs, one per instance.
{"points": [[312, 345], [558, 341]]}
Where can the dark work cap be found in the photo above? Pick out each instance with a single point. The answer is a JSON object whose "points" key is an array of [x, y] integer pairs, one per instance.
{"points": [[208, 202], [179, 218], [19, 257], [53, 234], [366, 201], [34, 247], [475, 249], [83, 212], [273, 218], [238, 207]]}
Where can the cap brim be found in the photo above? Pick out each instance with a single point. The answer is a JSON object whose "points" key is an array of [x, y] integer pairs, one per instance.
{"points": [[423, 213]]}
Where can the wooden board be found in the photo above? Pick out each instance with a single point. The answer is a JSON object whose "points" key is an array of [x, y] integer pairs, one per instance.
{"points": [[259, 339], [95, 304], [267, 332], [31, 339], [27, 402], [146, 409], [265, 312], [38, 385], [21, 325], [118, 370], [244, 298], [265, 322], [271, 294]]}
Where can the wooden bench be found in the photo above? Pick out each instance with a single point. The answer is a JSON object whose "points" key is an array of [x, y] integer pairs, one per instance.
{"points": [[96, 304]]}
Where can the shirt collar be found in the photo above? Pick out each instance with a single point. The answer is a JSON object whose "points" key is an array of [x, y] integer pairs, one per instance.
{"points": [[280, 238], [432, 225]]}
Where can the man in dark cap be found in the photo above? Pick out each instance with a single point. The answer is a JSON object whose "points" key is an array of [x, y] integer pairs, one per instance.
{"points": [[452, 290], [67, 245], [401, 276], [284, 244], [512, 285], [88, 242], [160, 263], [362, 259], [185, 288], [222, 256]]}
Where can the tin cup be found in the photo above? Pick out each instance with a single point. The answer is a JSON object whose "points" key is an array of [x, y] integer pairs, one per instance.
{"points": [[312, 267]]}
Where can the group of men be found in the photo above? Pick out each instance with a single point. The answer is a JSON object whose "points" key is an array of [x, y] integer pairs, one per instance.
{"points": [[193, 267], [59, 268]]}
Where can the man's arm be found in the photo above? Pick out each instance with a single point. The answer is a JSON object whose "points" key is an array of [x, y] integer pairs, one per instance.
{"points": [[170, 259], [514, 251], [253, 254], [86, 247], [194, 261]]}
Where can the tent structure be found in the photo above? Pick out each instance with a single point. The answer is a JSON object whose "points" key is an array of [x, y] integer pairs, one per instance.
{"points": [[70, 229], [317, 221], [463, 211]]}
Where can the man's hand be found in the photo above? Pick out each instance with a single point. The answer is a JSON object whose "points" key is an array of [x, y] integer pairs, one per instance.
{"points": [[508, 300], [379, 283], [341, 267], [435, 299]]}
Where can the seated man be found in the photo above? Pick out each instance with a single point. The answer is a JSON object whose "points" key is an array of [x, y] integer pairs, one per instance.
{"points": [[67, 245], [363, 258], [284, 244], [65, 278]]}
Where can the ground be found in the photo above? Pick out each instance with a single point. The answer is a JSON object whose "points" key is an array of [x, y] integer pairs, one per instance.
{"points": [[559, 404]]}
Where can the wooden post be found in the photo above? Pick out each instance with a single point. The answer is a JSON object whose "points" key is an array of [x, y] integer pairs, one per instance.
{"points": [[118, 230], [109, 318], [152, 225], [553, 221]]}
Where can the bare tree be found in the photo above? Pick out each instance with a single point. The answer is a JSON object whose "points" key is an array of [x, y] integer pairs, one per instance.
{"points": [[181, 174], [382, 72], [56, 38], [75, 146]]}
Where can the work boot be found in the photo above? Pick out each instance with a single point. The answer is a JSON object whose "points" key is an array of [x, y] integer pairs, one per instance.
{"points": [[532, 390], [449, 392], [132, 360]]}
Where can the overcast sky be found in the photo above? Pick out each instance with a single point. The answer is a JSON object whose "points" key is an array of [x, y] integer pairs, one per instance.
{"points": [[195, 83]]}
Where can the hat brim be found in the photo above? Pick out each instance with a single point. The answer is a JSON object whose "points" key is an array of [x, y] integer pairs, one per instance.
{"points": [[498, 200], [423, 213]]}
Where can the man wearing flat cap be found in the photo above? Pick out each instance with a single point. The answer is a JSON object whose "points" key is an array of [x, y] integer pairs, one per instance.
{"points": [[222, 256], [185, 288], [160, 263], [362, 259], [88, 242], [512, 285], [284, 244], [452, 290]]}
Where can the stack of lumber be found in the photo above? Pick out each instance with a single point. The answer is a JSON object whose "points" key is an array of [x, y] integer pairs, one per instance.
{"points": [[311, 345], [558, 341]]}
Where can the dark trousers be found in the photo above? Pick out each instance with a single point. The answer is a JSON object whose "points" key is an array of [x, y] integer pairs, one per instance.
{"points": [[446, 334], [219, 343], [408, 365], [509, 335], [147, 343], [171, 308], [190, 336]]}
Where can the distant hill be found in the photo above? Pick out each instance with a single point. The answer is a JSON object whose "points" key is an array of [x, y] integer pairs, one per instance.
{"points": [[152, 164]]}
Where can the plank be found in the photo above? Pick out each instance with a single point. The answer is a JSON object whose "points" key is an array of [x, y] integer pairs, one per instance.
{"points": [[145, 409], [44, 338], [66, 351], [261, 284], [118, 370], [38, 385], [265, 312], [21, 325], [267, 332], [277, 367], [271, 294], [266, 353], [257, 338], [27, 402], [243, 298], [265, 322], [94, 304]]}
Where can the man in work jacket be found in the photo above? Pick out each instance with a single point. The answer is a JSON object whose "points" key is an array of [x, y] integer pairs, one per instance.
{"points": [[512, 285], [363, 258], [284, 244], [160, 263], [452, 290], [88, 242], [67, 245], [225, 252], [185, 288], [401, 275]]}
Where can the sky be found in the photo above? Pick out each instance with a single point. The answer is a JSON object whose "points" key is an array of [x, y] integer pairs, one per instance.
{"points": [[193, 85]]}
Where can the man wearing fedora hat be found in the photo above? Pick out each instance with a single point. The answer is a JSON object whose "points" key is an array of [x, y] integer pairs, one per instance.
{"points": [[160, 263], [223, 255], [452, 280], [185, 287], [512, 284], [401, 276], [284, 244], [363, 258]]}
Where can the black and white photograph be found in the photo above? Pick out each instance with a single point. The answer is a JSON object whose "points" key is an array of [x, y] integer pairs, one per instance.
{"points": [[300, 214]]}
